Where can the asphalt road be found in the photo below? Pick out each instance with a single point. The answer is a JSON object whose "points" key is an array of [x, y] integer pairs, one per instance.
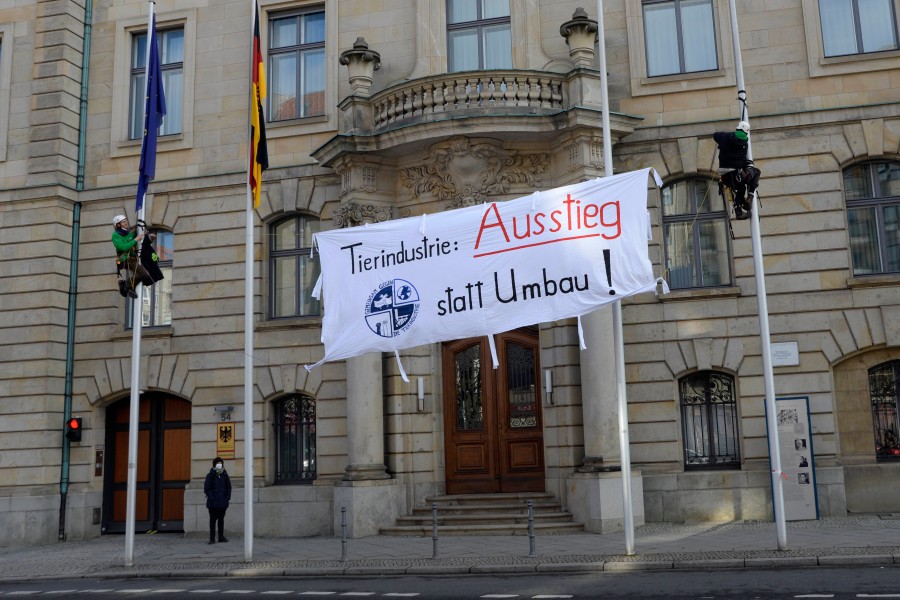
{"points": [[719, 584]]}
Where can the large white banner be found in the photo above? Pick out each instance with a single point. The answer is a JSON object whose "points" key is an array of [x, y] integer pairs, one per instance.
{"points": [[485, 269]]}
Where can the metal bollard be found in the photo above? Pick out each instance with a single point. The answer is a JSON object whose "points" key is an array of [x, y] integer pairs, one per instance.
{"points": [[343, 533], [434, 535], [531, 551]]}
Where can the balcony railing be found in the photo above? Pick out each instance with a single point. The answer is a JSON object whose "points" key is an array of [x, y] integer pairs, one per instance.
{"points": [[518, 91]]}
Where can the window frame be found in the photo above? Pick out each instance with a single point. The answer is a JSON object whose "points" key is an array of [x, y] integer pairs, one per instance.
{"points": [[857, 29], [304, 440], [139, 71], [679, 38], [879, 203], [478, 25], [735, 461], [822, 66], [642, 84], [120, 144], [300, 253], [154, 290], [696, 219], [299, 50]]}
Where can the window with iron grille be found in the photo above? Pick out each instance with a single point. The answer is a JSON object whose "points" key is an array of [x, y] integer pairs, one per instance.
{"points": [[295, 439], [884, 387], [709, 421]]}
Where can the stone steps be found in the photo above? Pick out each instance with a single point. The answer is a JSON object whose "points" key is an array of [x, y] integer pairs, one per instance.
{"points": [[486, 514]]}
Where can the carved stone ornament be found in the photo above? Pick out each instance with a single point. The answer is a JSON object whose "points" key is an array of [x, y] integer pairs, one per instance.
{"points": [[581, 33], [354, 213], [463, 173]]}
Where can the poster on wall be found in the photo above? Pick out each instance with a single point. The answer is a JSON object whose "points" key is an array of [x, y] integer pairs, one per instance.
{"points": [[797, 466]]}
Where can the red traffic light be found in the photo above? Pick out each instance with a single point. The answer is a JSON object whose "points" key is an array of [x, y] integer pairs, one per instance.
{"points": [[73, 429]]}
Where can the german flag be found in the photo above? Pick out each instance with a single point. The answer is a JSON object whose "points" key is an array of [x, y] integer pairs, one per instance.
{"points": [[259, 154]]}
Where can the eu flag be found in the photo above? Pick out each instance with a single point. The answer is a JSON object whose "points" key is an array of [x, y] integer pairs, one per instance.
{"points": [[154, 111]]}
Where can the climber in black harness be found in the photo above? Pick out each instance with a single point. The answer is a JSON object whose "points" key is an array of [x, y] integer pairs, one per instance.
{"points": [[738, 177], [129, 270]]}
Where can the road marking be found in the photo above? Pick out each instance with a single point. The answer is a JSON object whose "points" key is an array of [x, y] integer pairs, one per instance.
{"points": [[95, 591], [277, 592], [500, 596], [815, 596], [134, 591], [358, 594], [204, 591], [239, 592], [317, 593], [552, 596], [167, 591], [403, 594], [23, 593], [61, 592]]}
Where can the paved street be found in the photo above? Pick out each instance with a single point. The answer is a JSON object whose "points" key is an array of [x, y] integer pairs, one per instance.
{"points": [[858, 540]]}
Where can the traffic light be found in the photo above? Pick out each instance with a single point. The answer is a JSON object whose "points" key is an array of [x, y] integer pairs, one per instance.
{"points": [[73, 429]]}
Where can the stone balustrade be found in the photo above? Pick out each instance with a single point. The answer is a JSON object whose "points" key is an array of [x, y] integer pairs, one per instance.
{"points": [[519, 91]]}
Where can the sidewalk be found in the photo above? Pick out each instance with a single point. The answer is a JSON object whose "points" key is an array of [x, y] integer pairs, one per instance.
{"points": [[857, 540]]}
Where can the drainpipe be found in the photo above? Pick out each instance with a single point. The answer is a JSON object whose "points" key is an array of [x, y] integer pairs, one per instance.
{"points": [[73, 266]]}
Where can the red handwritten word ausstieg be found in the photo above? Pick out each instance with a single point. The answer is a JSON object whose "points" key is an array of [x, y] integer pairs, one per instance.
{"points": [[574, 221]]}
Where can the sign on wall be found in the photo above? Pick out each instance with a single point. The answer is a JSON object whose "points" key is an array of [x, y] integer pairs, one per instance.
{"points": [[797, 466], [485, 269], [225, 440]]}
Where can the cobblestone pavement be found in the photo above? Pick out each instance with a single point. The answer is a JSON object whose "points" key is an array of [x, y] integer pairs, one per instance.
{"points": [[857, 540]]}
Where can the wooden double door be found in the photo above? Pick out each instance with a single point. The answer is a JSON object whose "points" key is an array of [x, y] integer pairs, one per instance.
{"points": [[163, 464], [493, 429]]}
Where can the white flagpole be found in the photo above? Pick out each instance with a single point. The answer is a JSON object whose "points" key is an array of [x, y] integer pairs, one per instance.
{"points": [[136, 322], [763, 308], [618, 339], [248, 326]]}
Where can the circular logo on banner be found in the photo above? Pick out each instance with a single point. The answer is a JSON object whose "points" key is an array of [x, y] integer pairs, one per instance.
{"points": [[392, 307]]}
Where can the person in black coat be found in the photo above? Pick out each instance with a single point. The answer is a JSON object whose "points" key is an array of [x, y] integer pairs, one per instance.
{"points": [[737, 171], [217, 488]]}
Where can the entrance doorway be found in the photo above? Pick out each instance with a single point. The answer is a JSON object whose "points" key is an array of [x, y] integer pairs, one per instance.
{"points": [[163, 464], [493, 430]]}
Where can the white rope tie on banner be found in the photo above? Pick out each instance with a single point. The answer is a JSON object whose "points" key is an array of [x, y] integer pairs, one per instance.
{"points": [[581, 335], [493, 346], [422, 224], [400, 366], [665, 286], [534, 198]]}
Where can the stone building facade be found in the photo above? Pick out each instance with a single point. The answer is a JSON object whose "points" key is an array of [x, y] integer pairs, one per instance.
{"points": [[394, 108]]}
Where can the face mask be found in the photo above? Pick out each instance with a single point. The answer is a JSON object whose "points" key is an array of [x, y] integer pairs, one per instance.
{"points": [[220, 467]]}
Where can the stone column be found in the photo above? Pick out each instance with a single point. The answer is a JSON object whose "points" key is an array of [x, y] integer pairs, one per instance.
{"points": [[365, 419], [598, 394]]}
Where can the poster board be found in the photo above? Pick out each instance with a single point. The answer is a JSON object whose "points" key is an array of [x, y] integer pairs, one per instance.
{"points": [[795, 445]]}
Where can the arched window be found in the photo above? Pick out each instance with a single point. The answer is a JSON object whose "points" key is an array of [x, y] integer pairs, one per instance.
{"points": [[884, 389], [292, 272], [697, 252], [156, 308], [709, 421], [295, 439], [872, 193]]}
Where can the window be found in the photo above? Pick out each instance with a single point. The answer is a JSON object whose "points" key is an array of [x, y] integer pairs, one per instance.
{"points": [[171, 57], [872, 192], [157, 299], [478, 35], [884, 389], [296, 74], [857, 26], [709, 421], [697, 252], [680, 36], [295, 439], [293, 272]]}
